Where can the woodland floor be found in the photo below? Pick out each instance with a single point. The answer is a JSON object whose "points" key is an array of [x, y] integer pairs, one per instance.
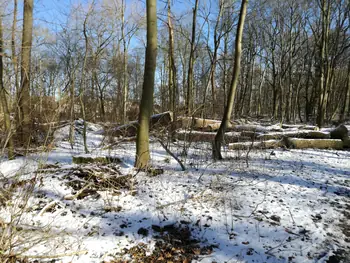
{"points": [[267, 206]]}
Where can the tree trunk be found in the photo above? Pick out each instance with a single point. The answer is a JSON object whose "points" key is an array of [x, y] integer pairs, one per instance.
{"points": [[346, 103], [324, 68], [142, 140], [14, 57], [3, 100], [71, 127], [83, 81], [24, 94], [190, 101], [125, 64], [237, 63]]}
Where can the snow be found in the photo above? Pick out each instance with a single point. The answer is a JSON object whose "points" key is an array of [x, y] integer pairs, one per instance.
{"points": [[285, 206]]}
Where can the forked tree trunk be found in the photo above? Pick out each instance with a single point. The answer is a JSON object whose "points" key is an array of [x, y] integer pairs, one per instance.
{"points": [[142, 140], [237, 64], [24, 94]]}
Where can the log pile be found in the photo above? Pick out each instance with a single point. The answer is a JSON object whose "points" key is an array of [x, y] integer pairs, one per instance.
{"points": [[244, 135], [336, 139]]}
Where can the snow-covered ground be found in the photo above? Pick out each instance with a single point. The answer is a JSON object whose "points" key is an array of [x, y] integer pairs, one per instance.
{"points": [[269, 206]]}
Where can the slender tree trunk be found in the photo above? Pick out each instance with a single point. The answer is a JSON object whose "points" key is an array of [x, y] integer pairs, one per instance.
{"points": [[14, 57], [324, 69], [83, 81], [125, 64], [237, 63], [217, 40], [190, 91], [142, 140], [24, 94], [346, 103], [259, 106], [3, 100], [71, 128], [172, 67]]}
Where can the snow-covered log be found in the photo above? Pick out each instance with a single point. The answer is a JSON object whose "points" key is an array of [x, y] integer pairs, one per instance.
{"points": [[161, 120], [297, 143], [270, 144]]}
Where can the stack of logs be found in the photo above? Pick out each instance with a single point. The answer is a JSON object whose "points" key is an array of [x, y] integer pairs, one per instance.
{"points": [[244, 136]]}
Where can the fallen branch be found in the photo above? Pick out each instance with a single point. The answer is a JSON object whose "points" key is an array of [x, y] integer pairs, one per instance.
{"points": [[172, 155], [72, 197]]}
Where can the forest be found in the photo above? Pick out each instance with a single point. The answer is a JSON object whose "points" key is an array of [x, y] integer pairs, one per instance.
{"points": [[174, 131]]}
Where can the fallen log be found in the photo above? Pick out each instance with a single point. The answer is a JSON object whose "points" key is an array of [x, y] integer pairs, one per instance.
{"points": [[83, 159], [297, 143], [298, 126], [157, 121], [198, 124], [270, 144], [256, 128], [294, 134], [197, 136]]}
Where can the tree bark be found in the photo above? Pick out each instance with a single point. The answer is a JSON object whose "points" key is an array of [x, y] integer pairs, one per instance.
{"points": [[142, 140], [237, 63]]}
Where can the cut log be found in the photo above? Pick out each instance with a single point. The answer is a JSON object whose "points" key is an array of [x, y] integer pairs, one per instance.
{"points": [[341, 132], [197, 136], [157, 121], [198, 124], [297, 126], [270, 144], [296, 143], [82, 159], [294, 134], [256, 128]]}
